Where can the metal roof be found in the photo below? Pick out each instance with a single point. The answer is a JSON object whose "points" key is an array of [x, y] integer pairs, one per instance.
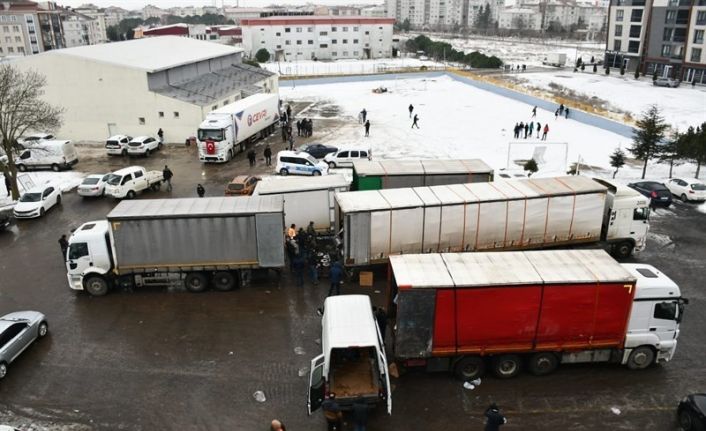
{"points": [[301, 184], [507, 268], [150, 54], [348, 321], [392, 167], [401, 198], [195, 207], [366, 200]]}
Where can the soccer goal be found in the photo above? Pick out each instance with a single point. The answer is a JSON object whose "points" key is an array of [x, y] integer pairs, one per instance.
{"points": [[551, 157]]}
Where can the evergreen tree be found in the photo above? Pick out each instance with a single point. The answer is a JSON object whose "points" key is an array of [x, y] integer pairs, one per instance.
{"points": [[671, 151], [694, 146], [617, 160], [531, 167], [262, 55], [647, 136]]}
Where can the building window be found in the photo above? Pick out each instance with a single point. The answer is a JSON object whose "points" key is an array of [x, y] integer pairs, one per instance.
{"points": [[618, 30], [278, 34], [701, 17], [161, 114], [670, 16], [11, 49], [287, 30], [334, 41], [334, 54], [214, 107], [310, 42], [683, 17], [310, 29], [16, 28], [287, 42], [699, 36], [21, 49], [666, 50], [299, 29], [355, 28], [636, 15], [323, 45], [333, 28], [355, 53], [667, 35], [262, 29], [323, 33], [18, 39], [345, 28], [379, 28], [635, 30], [141, 121], [355, 40], [279, 46], [696, 55], [634, 47], [345, 53], [345, 41], [299, 42], [679, 35], [262, 42], [367, 33], [616, 45], [176, 114], [619, 14]]}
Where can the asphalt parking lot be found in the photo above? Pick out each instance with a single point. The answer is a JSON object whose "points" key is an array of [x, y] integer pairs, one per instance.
{"points": [[152, 359]]}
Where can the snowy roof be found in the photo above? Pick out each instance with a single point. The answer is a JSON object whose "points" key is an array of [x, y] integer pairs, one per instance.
{"points": [[195, 207], [348, 321], [301, 184], [418, 167], [150, 54]]}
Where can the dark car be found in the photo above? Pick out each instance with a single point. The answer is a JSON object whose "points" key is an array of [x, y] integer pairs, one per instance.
{"points": [[659, 194], [317, 151], [692, 413]]}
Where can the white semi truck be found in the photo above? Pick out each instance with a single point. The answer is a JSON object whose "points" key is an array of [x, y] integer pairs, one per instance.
{"points": [[503, 215], [177, 243], [228, 130]]}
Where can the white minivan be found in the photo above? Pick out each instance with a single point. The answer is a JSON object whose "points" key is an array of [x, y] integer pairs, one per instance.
{"points": [[55, 155], [117, 145], [143, 146], [345, 157], [301, 163], [353, 364]]}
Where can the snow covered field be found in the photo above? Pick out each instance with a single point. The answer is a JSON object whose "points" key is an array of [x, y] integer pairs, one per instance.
{"points": [[348, 67], [682, 107], [457, 121]]}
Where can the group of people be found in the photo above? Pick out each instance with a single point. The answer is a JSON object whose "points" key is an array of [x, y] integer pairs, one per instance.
{"points": [[561, 110], [526, 130], [305, 127]]}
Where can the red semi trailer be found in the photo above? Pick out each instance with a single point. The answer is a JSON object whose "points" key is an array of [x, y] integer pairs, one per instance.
{"points": [[465, 312]]}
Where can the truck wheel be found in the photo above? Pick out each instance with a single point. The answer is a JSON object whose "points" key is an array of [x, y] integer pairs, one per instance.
{"points": [[147, 152], [130, 194], [43, 330], [316, 173], [283, 172], [55, 167], [96, 285], [195, 282], [223, 281], [641, 358], [507, 366], [3, 370], [230, 155], [622, 250], [469, 368], [541, 364]]}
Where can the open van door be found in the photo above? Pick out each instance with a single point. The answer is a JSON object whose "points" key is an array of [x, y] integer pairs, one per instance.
{"points": [[317, 384], [385, 378]]}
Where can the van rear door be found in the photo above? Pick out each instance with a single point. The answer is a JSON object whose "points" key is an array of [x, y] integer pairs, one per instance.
{"points": [[385, 377], [317, 384]]}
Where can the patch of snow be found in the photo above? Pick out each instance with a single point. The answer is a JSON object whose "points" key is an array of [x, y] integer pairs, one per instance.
{"points": [[348, 67], [702, 208]]}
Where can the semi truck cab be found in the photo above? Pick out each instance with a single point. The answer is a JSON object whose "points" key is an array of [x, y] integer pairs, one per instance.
{"points": [[89, 253], [216, 138], [626, 219]]}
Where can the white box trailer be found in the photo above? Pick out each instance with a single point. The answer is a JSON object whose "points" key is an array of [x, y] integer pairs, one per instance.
{"points": [[556, 59], [515, 214], [307, 199], [227, 131]]}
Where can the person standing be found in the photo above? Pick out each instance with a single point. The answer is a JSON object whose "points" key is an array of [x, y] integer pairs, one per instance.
{"points": [[251, 157], [493, 418], [291, 142], [526, 129], [546, 130], [268, 155], [539, 128], [299, 127], [160, 135], [200, 190], [516, 130], [531, 128], [292, 231], [8, 185], [556, 113], [367, 128], [364, 114], [284, 132], [534, 112], [566, 112], [411, 108], [360, 415], [167, 174], [64, 244], [414, 121], [336, 277], [313, 267], [289, 112], [332, 413], [561, 109]]}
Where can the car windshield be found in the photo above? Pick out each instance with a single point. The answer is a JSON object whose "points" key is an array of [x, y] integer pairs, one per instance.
{"points": [[312, 160], [211, 135], [31, 197], [235, 186], [90, 181], [114, 180], [698, 187]]}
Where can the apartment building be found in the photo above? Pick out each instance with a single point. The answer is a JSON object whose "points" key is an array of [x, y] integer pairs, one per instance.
{"points": [[318, 37], [441, 14], [26, 28], [544, 15], [662, 36], [227, 34], [80, 29]]}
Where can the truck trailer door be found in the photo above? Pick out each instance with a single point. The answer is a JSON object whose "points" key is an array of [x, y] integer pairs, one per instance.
{"points": [[317, 384], [385, 377]]}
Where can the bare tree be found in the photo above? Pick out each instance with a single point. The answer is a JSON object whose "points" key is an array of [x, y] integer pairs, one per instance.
{"points": [[22, 109]]}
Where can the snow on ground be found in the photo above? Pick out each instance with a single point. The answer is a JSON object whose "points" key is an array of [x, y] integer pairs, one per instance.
{"points": [[67, 180], [456, 121], [682, 107], [348, 67]]}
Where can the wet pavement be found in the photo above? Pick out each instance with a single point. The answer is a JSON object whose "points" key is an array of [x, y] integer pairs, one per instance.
{"points": [[152, 359]]}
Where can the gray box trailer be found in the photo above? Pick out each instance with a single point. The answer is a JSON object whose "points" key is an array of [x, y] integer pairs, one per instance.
{"points": [[390, 174], [187, 242], [515, 214]]}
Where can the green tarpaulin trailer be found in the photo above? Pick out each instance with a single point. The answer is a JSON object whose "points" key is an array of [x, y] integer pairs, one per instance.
{"points": [[391, 174]]}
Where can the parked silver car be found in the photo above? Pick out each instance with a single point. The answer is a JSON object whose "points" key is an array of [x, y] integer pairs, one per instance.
{"points": [[17, 331], [666, 82]]}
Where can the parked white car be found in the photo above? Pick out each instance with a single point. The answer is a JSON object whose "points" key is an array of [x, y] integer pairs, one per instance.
{"points": [[117, 145], [37, 201], [93, 185], [344, 157], [294, 162], [687, 189], [34, 138], [143, 146], [56, 155]]}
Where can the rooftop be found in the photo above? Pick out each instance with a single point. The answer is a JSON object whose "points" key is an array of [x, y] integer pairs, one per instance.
{"points": [[150, 54], [316, 19]]}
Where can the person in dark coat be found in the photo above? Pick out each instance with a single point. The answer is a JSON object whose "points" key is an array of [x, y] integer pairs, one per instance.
{"points": [[561, 109], [251, 157], [291, 142], [566, 112], [8, 185], [363, 114], [367, 128], [299, 127], [411, 108], [539, 128], [64, 244], [336, 277], [556, 113], [167, 175], [534, 112], [284, 133], [531, 128], [360, 415], [200, 190], [493, 418], [546, 130], [289, 112], [516, 130], [268, 155], [310, 127], [332, 413], [414, 121], [526, 130], [160, 135]]}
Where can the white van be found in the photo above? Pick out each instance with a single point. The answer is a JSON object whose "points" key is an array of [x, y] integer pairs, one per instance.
{"points": [[56, 155], [117, 145], [295, 162], [353, 363], [344, 157]]}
